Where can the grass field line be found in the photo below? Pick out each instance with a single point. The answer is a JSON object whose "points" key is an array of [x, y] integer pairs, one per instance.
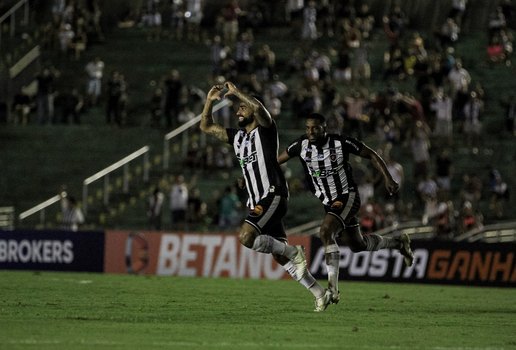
{"points": [[290, 345]]}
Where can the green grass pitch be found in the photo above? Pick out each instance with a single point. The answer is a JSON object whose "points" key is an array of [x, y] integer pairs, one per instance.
{"points": [[47, 310]]}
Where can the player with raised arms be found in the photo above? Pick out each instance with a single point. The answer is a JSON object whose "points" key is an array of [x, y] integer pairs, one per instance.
{"points": [[255, 143]]}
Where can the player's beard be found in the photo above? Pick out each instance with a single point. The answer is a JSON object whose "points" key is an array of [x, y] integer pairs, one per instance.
{"points": [[245, 121]]}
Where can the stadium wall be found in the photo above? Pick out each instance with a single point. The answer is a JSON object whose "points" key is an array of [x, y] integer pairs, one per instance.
{"points": [[221, 255]]}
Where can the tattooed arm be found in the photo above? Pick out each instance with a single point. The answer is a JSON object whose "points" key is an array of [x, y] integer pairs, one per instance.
{"points": [[207, 124]]}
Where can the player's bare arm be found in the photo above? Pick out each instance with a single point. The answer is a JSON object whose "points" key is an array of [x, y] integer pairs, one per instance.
{"points": [[283, 157], [207, 124], [390, 184], [262, 115]]}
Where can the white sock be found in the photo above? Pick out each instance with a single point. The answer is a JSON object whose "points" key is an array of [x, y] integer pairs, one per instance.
{"points": [[332, 256], [308, 281]]}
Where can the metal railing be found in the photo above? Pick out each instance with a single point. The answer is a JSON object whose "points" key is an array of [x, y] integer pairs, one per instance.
{"points": [[124, 162], [11, 15], [181, 129], [495, 233], [6, 218], [41, 208]]}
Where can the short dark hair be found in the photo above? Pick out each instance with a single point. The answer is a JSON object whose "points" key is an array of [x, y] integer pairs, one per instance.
{"points": [[317, 116], [258, 98]]}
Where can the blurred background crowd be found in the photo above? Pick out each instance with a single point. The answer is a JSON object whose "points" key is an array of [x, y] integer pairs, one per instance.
{"points": [[430, 85]]}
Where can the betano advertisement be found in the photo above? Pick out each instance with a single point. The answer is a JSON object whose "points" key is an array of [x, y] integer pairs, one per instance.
{"points": [[192, 254], [221, 255]]}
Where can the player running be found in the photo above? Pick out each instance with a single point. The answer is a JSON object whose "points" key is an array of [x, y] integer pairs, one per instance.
{"points": [[256, 147], [325, 162]]}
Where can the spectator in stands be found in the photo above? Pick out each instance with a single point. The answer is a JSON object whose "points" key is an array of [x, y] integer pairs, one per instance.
{"points": [[94, 18], [448, 33], [174, 89], [72, 215], [154, 208], [154, 22], [510, 114], [472, 126], [420, 147], [218, 52], [394, 26], [177, 20], [471, 190], [499, 193], [442, 105], [229, 206], [371, 217], [243, 55], [156, 103], [65, 35], [460, 80], [230, 27], [79, 44], [95, 71], [457, 11], [70, 103], [497, 22], [193, 18], [398, 174], [45, 94], [427, 191], [366, 21], [355, 113], [469, 218], [264, 62], [114, 91], [443, 172], [309, 28], [21, 108], [178, 203], [197, 208], [444, 220]]}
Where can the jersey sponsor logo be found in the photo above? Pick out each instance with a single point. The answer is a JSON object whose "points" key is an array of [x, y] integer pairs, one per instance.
{"points": [[251, 158], [321, 173]]}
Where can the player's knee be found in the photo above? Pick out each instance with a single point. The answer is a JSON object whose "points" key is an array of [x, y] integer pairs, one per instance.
{"points": [[326, 235], [246, 238]]}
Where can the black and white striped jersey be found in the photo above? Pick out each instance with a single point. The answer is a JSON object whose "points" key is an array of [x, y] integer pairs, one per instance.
{"points": [[257, 154], [327, 167]]}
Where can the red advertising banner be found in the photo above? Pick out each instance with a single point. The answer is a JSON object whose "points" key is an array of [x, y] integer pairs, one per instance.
{"points": [[192, 254]]}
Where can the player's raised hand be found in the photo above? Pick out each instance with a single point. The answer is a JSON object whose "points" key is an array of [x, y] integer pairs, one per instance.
{"points": [[231, 88], [392, 186], [215, 93]]}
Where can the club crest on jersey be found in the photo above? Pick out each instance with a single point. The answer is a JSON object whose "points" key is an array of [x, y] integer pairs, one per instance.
{"points": [[333, 155]]}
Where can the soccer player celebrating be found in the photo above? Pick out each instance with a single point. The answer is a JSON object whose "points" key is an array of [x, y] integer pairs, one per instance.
{"points": [[256, 147], [325, 161]]}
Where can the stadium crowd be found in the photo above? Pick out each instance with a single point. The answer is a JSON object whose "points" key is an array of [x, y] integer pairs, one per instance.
{"points": [[439, 108]]}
